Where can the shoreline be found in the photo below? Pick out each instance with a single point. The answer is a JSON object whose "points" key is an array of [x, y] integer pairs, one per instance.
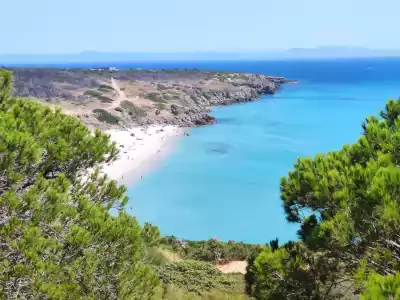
{"points": [[141, 149]]}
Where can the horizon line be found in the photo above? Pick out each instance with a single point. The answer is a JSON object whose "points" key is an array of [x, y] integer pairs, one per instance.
{"points": [[266, 51]]}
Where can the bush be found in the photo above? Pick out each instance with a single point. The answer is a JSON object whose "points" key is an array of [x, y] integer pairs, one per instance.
{"points": [[98, 95], [156, 97], [174, 293], [106, 87], [195, 276], [133, 109], [92, 93], [160, 106], [211, 250], [105, 99], [104, 116]]}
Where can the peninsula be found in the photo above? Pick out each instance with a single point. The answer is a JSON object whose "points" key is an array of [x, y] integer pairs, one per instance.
{"points": [[140, 109], [107, 98]]}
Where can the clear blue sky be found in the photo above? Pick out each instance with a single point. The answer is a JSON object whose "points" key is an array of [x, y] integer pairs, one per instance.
{"points": [[73, 26]]}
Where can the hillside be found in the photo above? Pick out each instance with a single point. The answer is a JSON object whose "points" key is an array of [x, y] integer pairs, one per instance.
{"points": [[109, 97]]}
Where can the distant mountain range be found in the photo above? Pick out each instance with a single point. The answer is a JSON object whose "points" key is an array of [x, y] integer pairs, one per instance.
{"points": [[295, 53]]}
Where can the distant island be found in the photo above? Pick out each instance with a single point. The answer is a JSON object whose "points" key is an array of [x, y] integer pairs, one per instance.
{"points": [[90, 57]]}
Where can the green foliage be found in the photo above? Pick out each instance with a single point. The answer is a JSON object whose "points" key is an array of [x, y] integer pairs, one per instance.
{"points": [[156, 97], [98, 95], [160, 106], [211, 250], [58, 238], [174, 293], [382, 287], [5, 84], [133, 109], [92, 93], [294, 272], [154, 257], [105, 116], [150, 234], [106, 87], [347, 205], [195, 276], [171, 96], [105, 99]]}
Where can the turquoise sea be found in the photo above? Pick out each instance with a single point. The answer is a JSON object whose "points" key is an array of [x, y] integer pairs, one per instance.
{"points": [[223, 180]]}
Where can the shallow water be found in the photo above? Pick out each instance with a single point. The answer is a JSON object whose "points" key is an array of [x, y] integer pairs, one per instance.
{"points": [[223, 180]]}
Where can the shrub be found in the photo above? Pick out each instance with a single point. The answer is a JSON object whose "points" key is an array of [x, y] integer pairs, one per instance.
{"points": [[133, 109], [106, 87], [105, 99], [92, 93], [212, 250], [104, 90], [167, 97], [98, 95], [104, 116], [195, 276], [160, 106], [156, 97]]}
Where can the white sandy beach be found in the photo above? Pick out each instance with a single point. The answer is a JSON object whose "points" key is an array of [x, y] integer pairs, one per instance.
{"points": [[139, 147]]}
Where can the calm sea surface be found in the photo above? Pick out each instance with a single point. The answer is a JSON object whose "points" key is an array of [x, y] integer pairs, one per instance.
{"points": [[223, 180]]}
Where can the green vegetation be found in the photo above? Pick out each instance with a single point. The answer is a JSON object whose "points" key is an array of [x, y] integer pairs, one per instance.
{"points": [[106, 87], [105, 116], [156, 97], [197, 277], [347, 203], [92, 93], [211, 250], [58, 238], [105, 99], [132, 109], [98, 95], [160, 106]]}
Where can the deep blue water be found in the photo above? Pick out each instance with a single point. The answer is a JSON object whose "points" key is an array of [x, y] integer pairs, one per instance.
{"points": [[223, 180]]}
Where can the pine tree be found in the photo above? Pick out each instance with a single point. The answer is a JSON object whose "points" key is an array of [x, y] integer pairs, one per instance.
{"points": [[347, 201], [58, 239]]}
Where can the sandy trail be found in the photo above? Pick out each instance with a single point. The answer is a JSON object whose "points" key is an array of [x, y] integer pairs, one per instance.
{"points": [[121, 94], [233, 267]]}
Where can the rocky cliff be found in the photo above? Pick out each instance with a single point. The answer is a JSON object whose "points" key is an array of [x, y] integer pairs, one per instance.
{"points": [[107, 98]]}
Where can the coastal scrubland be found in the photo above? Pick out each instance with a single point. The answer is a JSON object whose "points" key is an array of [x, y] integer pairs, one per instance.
{"points": [[108, 98], [68, 236]]}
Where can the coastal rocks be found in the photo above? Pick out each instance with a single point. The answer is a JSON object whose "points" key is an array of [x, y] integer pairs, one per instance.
{"points": [[176, 110], [195, 102], [174, 97]]}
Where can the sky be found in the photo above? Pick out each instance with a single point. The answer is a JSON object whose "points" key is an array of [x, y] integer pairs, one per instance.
{"points": [[74, 26]]}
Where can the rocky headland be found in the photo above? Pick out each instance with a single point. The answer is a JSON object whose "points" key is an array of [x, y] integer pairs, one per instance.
{"points": [[108, 98]]}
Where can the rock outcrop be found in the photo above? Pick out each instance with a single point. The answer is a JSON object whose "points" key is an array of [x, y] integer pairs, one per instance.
{"points": [[180, 97]]}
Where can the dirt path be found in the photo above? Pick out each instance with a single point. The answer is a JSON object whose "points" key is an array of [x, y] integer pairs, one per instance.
{"points": [[233, 267], [121, 94]]}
